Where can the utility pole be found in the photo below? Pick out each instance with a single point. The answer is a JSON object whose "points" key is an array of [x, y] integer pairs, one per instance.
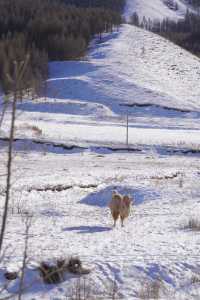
{"points": [[127, 130]]}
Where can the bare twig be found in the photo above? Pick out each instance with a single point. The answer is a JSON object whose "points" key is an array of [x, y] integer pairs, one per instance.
{"points": [[28, 221], [19, 71]]}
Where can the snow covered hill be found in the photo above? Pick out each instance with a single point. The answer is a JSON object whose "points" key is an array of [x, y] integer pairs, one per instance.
{"points": [[156, 9], [131, 71]]}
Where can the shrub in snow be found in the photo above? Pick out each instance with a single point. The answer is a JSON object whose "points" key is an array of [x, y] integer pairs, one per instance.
{"points": [[11, 275], [193, 224], [52, 273], [74, 266], [195, 279]]}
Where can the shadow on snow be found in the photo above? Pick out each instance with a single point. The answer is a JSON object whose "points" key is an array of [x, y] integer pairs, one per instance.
{"points": [[88, 229], [101, 198]]}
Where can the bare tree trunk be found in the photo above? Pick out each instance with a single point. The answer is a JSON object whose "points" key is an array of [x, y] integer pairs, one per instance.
{"points": [[127, 130], [9, 169], [19, 71]]}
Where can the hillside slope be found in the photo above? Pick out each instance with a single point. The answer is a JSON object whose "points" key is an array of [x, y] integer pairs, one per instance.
{"points": [[156, 9], [131, 71]]}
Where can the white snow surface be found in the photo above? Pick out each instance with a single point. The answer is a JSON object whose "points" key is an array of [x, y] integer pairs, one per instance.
{"points": [[156, 9], [83, 107], [153, 243], [132, 72]]}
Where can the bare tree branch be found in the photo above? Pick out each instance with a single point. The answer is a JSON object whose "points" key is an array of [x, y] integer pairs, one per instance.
{"points": [[28, 220], [19, 70]]}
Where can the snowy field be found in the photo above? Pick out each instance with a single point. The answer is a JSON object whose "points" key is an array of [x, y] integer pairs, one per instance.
{"points": [[153, 243], [74, 138]]}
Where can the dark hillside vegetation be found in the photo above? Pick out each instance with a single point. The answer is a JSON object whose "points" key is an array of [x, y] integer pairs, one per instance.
{"points": [[50, 30], [117, 5], [194, 3]]}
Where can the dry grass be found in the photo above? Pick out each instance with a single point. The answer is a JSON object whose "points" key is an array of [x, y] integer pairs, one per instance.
{"points": [[83, 290], [61, 187], [35, 129], [151, 290], [195, 279], [54, 272], [193, 225]]}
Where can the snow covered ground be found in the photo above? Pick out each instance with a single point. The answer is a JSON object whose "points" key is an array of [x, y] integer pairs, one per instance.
{"points": [[76, 221], [74, 137], [156, 9]]}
